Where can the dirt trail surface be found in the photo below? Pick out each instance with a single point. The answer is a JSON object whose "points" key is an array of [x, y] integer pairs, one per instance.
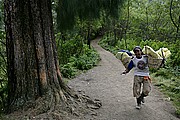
{"points": [[114, 90]]}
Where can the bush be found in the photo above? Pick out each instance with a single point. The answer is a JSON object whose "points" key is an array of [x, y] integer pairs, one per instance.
{"points": [[86, 61], [68, 70]]}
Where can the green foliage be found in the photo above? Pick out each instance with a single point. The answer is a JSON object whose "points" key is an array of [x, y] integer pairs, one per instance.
{"points": [[175, 57], [111, 7], [105, 43], [85, 61], [82, 27], [150, 19], [167, 79], [66, 13], [69, 11], [67, 46], [163, 72], [68, 70], [3, 72], [1, 15], [131, 43], [155, 44]]}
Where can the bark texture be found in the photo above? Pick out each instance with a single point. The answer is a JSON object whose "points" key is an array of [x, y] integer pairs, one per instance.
{"points": [[33, 70]]}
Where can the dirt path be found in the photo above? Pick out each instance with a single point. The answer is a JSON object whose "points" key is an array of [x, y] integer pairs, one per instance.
{"points": [[106, 83]]}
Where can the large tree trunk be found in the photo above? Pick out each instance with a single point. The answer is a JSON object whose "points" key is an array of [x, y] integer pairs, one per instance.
{"points": [[33, 70]]}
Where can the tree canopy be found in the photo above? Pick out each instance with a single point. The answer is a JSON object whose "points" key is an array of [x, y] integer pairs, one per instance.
{"points": [[68, 11]]}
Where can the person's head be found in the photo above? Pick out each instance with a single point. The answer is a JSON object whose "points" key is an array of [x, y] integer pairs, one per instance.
{"points": [[137, 51]]}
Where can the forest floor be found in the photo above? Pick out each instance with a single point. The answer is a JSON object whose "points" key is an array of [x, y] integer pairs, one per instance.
{"points": [[105, 83]]}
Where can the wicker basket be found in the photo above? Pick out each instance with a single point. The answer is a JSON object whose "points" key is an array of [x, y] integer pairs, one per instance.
{"points": [[154, 62], [126, 61]]}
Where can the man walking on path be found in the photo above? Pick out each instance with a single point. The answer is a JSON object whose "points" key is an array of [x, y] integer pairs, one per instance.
{"points": [[104, 83], [141, 75]]}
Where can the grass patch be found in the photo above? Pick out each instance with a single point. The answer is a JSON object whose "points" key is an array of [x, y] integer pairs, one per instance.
{"points": [[168, 83]]}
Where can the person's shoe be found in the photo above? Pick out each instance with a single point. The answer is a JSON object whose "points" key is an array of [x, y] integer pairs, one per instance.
{"points": [[142, 98], [138, 106], [142, 101]]}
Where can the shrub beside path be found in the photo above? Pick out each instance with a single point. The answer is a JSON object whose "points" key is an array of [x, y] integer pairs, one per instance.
{"points": [[105, 82]]}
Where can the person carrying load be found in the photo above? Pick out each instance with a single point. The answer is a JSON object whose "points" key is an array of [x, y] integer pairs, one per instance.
{"points": [[141, 76]]}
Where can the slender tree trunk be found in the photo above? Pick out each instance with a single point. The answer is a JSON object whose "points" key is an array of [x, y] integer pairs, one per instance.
{"points": [[89, 35], [127, 25], [176, 25], [115, 33], [33, 70], [147, 26]]}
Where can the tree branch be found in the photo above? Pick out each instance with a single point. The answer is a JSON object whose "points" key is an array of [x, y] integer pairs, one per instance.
{"points": [[171, 15]]}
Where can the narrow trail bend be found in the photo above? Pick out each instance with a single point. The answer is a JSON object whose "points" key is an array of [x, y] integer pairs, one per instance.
{"points": [[105, 82]]}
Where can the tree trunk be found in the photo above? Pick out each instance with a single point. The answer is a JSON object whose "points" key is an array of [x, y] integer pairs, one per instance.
{"points": [[33, 70], [176, 25], [127, 25]]}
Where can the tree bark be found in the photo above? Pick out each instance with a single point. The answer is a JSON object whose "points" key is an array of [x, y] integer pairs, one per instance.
{"points": [[33, 70]]}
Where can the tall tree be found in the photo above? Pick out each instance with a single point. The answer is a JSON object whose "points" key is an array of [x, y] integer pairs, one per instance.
{"points": [[69, 10], [33, 70], [173, 21], [34, 78]]}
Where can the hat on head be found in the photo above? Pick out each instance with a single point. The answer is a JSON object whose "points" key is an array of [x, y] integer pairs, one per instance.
{"points": [[137, 48]]}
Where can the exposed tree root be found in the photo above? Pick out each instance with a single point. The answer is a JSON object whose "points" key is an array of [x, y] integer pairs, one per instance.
{"points": [[77, 106]]}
